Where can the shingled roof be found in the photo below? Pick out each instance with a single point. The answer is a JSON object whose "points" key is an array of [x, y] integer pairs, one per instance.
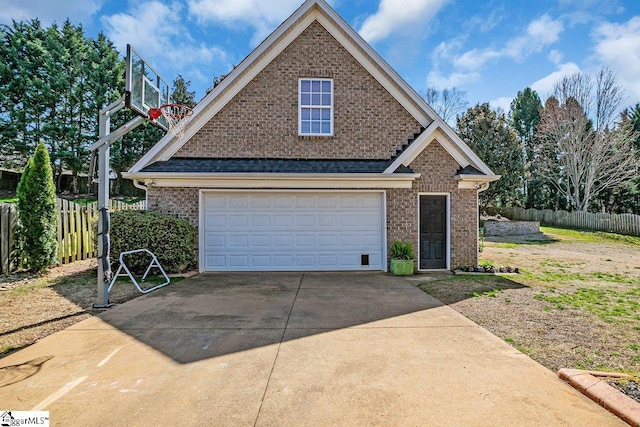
{"points": [[247, 165]]}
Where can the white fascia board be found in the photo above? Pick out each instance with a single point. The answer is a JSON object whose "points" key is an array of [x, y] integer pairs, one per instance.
{"points": [[406, 157], [477, 178], [475, 160], [270, 180], [475, 182]]}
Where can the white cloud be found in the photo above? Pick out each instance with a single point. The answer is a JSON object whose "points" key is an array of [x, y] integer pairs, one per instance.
{"points": [[476, 58], [437, 81], [263, 16], [539, 34], [545, 30], [544, 86], [48, 11], [149, 26], [555, 57], [502, 104], [618, 46], [157, 31], [399, 16]]}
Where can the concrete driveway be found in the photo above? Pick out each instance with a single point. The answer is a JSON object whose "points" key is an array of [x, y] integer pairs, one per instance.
{"points": [[287, 349]]}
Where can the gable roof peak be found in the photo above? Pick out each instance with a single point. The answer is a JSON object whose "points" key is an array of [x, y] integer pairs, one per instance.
{"points": [[310, 11]]}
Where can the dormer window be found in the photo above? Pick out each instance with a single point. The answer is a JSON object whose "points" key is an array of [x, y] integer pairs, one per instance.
{"points": [[315, 107]]}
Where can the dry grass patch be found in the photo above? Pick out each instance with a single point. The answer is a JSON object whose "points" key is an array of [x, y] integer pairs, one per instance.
{"points": [[34, 306], [576, 303]]}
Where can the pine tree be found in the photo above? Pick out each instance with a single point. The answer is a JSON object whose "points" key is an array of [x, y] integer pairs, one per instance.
{"points": [[37, 212], [489, 135], [180, 93]]}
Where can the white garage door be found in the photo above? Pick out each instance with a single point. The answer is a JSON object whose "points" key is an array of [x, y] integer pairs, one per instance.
{"points": [[292, 231]]}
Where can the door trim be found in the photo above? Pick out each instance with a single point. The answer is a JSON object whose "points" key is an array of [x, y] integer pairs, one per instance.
{"points": [[201, 217], [448, 232]]}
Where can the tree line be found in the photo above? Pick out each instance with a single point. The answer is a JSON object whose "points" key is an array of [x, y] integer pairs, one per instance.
{"points": [[53, 83], [579, 150]]}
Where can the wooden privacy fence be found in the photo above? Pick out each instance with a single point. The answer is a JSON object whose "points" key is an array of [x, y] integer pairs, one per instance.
{"points": [[8, 219], [75, 228], [627, 224]]}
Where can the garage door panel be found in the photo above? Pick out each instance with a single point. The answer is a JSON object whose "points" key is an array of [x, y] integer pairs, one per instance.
{"points": [[305, 260], [239, 221], [285, 261], [327, 260], [327, 202], [282, 220], [260, 201], [260, 220], [305, 202], [305, 241], [292, 231], [304, 220], [238, 241], [282, 241], [370, 220], [327, 220], [215, 221], [328, 241], [370, 240], [260, 261], [239, 261], [283, 202], [238, 202], [215, 241], [349, 202], [260, 241], [350, 220]]}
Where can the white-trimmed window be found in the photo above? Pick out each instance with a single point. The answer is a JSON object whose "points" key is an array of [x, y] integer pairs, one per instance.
{"points": [[315, 111]]}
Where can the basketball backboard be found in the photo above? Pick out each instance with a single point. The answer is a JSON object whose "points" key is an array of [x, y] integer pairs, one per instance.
{"points": [[144, 87]]}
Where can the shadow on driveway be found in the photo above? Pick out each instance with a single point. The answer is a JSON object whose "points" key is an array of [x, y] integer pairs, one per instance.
{"points": [[221, 313]]}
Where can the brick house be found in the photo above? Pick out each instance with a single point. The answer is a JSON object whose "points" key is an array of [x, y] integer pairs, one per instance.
{"points": [[313, 154]]}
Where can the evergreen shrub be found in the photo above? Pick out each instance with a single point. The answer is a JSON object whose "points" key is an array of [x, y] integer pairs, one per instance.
{"points": [[171, 239], [37, 245]]}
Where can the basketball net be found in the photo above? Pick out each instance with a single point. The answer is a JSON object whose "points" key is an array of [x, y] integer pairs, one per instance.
{"points": [[176, 115]]}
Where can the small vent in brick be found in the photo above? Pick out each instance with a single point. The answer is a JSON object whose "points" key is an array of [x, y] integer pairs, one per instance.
{"points": [[364, 260]]}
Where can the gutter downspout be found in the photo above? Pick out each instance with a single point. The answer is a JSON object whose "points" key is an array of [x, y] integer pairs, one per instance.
{"points": [[141, 186]]}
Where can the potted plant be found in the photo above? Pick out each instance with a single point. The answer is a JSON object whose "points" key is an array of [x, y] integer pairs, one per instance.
{"points": [[402, 257]]}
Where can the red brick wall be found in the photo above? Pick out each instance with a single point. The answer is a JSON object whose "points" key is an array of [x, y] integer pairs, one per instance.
{"points": [[181, 202], [262, 119], [438, 169]]}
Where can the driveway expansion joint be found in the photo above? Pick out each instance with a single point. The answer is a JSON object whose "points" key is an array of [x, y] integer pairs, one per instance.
{"points": [[275, 359]]}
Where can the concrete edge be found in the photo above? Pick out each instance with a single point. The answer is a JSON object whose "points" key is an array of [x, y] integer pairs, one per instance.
{"points": [[477, 273], [602, 393], [186, 275]]}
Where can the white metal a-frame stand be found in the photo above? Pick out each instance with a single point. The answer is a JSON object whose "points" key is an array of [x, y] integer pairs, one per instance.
{"points": [[103, 145]]}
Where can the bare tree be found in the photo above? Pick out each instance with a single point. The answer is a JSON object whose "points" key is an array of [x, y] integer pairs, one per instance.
{"points": [[580, 159], [448, 103], [600, 97]]}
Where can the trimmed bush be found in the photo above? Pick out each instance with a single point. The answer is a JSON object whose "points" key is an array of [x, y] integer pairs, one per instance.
{"points": [[37, 245], [171, 239]]}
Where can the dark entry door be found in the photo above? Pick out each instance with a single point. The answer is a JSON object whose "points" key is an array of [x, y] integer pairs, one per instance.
{"points": [[433, 232]]}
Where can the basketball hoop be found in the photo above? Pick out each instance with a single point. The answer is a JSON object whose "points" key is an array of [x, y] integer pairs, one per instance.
{"points": [[177, 117]]}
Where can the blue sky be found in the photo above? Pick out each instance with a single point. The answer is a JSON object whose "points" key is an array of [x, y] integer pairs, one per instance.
{"points": [[490, 49]]}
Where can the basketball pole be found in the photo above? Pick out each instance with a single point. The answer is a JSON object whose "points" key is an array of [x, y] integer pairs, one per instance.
{"points": [[103, 145]]}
